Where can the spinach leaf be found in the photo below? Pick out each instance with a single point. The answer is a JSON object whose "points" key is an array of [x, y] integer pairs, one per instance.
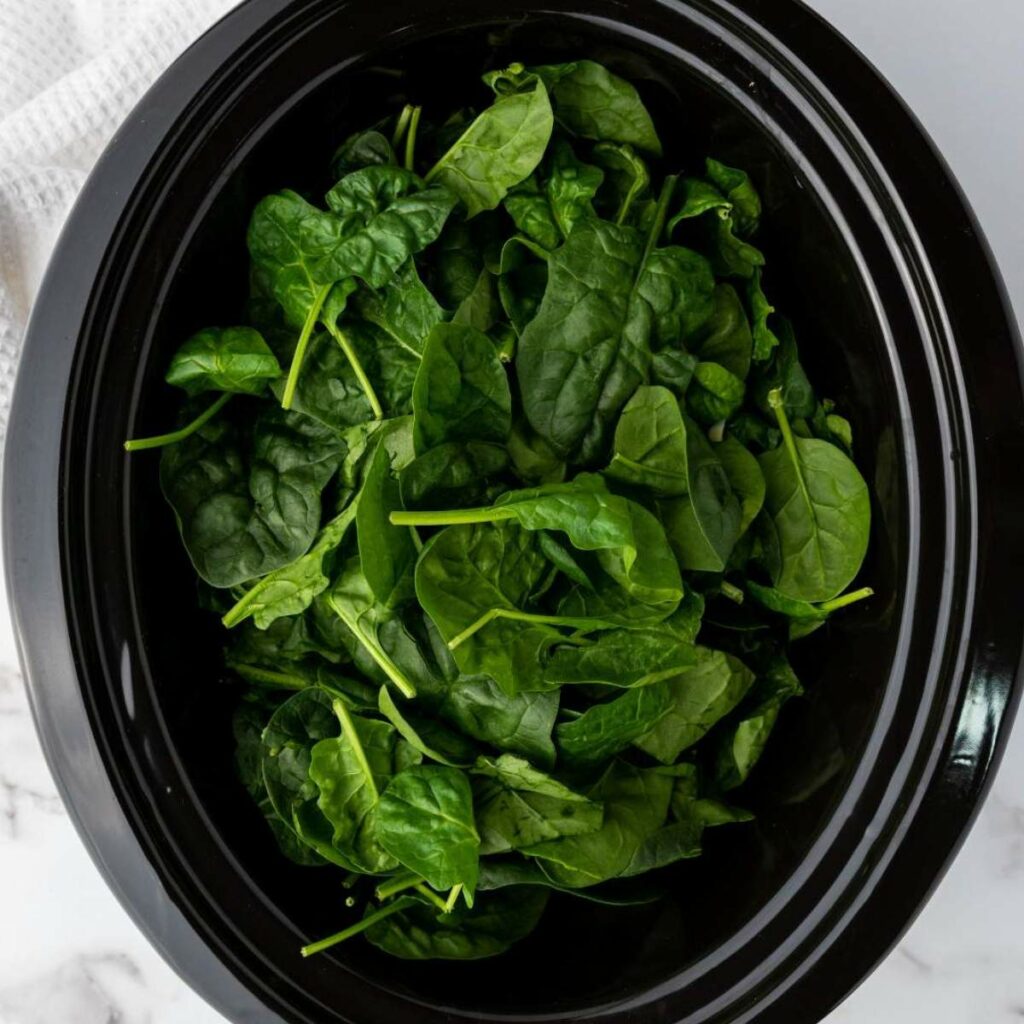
{"points": [[425, 820], [430, 739], [725, 337], [704, 524], [528, 206], [785, 373], [452, 474], [232, 359], [498, 150], [517, 806], [523, 279], [419, 932], [248, 501], [627, 178], [817, 515], [650, 444], [745, 476], [715, 395], [350, 771], [607, 729], [592, 102], [571, 187], [695, 701], [635, 806], [461, 391], [760, 310], [741, 742], [533, 459]]}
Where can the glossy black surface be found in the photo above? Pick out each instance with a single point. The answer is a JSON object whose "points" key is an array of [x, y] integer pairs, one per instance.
{"points": [[870, 784]]}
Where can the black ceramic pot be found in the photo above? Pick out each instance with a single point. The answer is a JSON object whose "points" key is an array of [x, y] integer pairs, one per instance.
{"points": [[870, 784]]}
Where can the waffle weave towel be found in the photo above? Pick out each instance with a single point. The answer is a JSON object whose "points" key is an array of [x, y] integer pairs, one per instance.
{"points": [[70, 72]]}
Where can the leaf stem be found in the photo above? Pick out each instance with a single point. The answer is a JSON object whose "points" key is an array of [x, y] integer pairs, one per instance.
{"points": [[504, 613], [303, 343], [357, 368], [453, 896], [660, 215], [400, 125], [142, 443], [778, 404], [359, 926], [387, 666], [732, 592], [453, 517], [410, 139], [433, 897], [393, 886], [845, 599], [281, 680]]}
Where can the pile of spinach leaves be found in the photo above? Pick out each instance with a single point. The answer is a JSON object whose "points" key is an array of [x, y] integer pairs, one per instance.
{"points": [[512, 494]]}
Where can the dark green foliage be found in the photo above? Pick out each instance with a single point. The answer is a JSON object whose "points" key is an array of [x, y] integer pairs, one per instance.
{"points": [[513, 493]]}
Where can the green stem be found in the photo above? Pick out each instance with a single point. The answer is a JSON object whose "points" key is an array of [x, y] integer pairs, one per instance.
{"points": [[452, 517], [417, 540], [504, 613], [349, 729], [142, 443], [845, 599], [357, 369], [393, 886], [360, 926], [401, 125], [456, 891], [778, 403], [387, 666], [660, 215], [300, 349], [281, 680], [732, 592], [410, 139], [433, 897]]}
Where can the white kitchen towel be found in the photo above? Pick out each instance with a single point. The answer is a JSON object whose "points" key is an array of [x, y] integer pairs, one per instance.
{"points": [[70, 72]]}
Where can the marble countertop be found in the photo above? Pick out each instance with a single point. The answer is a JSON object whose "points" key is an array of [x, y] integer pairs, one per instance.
{"points": [[70, 955]]}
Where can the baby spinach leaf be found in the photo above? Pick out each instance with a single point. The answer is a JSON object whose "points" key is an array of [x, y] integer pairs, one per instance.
{"points": [[404, 308], [452, 474], [560, 558], [715, 395], [523, 278], [635, 807], [498, 150], [234, 359], [571, 187], [650, 444], [627, 178], [362, 149], [737, 187], [696, 700], [419, 932], [350, 771], [456, 752], [725, 336], [383, 216], [528, 206], [760, 310], [741, 741], [785, 373], [518, 806], [678, 287], [248, 501], [704, 524], [461, 391], [592, 102], [817, 515], [607, 729], [425, 821], [673, 369], [481, 309], [533, 459], [745, 476]]}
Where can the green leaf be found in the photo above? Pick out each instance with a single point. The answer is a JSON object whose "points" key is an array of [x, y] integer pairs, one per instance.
{"points": [[635, 807], [247, 500], [650, 444], [383, 215], [741, 743], [425, 821], [404, 308], [350, 771], [461, 391], [522, 281], [362, 149], [592, 102], [498, 150], [571, 187], [606, 729], [715, 395], [627, 178], [765, 339], [481, 308], [418, 932], [232, 359], [457, 752], [696, 700], [785, 373], [531, 212], [703, 525], [725, 336], [737, 187], [518, 806], [452, 474], [745, 476], [817, 516]]}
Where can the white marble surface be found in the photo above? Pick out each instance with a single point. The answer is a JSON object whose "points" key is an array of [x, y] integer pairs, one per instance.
{"points": [[70, 955]]}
